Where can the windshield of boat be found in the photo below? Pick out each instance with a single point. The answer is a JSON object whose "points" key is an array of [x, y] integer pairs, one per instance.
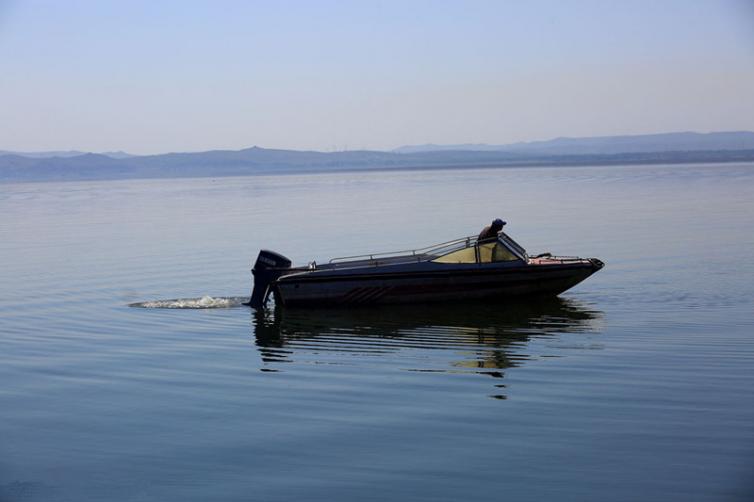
{"points": [[501, 249], [515, 246]]}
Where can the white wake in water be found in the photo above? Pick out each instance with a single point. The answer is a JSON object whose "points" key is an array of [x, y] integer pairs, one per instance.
{"points": [[205, 302]]}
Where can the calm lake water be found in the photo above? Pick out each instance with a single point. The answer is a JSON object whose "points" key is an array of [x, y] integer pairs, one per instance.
{"points": [[636, 385]]}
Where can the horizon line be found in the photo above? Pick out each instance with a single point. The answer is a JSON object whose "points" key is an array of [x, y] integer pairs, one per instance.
{"points": [[346, 149]]}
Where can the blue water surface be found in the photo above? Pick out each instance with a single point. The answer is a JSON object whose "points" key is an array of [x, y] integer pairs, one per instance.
{"points": [[636, 384]]}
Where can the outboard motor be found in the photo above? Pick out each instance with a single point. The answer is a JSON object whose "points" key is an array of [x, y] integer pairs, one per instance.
{"points": [[268, 267]]}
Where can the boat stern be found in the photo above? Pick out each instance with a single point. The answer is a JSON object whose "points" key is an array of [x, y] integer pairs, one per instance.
{"points": [[267, 269]]}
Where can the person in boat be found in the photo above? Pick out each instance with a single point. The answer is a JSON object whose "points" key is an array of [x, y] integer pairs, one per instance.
{"points": [[490, 231]]}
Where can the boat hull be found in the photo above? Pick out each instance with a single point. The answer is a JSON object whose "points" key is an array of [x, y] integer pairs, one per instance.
{"points": [[433, 286]]}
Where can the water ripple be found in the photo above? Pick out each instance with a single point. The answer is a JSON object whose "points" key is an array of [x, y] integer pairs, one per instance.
{"points": [[205, 302]]}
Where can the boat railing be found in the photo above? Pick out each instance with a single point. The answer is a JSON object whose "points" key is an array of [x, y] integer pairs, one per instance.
{"points": [[419, 254]]}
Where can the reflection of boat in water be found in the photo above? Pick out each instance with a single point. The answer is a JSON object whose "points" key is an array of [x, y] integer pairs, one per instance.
{"points": [[461, 270], [490, 336]]}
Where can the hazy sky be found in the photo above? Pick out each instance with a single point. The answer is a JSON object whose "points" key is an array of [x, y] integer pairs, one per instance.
{"points": [[157, 76]]}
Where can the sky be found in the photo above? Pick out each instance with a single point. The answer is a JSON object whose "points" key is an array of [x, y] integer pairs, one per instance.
{"points": [[151, 77]]}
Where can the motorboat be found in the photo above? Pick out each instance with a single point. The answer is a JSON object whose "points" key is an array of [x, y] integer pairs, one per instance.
{"points": [[464, 269]]}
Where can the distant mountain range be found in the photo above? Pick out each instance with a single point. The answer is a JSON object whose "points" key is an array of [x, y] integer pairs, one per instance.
{"points": [[606, 145], [685, 147], [64, 154]]}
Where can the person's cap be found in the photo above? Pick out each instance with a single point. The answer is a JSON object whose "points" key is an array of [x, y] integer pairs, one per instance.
{"points": [[497, 222]]}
